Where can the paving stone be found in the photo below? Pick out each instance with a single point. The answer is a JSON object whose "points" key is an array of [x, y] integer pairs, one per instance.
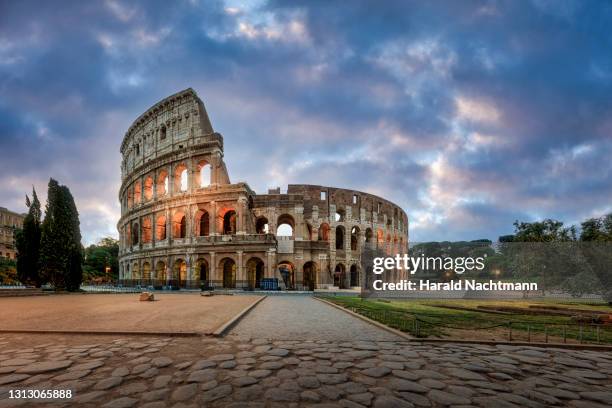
{"points": [[209, 385], [184, 392], [388, 401], [89, 397], [260, 373], [364, 398], [161, 362], [249, 393], [271, 365], [593, 375], [446, 398], [280, 395], [376, 372], [44, 366], [308, 382], [120, 372], [108, 383], [599, 396], [13, 378], [72, 375], [416, 399], [162, 381], [201, 364], [202, 375], [279, 352], [155, 395], [310, 396], [228, 364], [123, 402], [216, 393], [431, 383], [17, 362], [332, 378], [87, 366], [464, 374], [244, 381], [406, 385], [133, 388]]}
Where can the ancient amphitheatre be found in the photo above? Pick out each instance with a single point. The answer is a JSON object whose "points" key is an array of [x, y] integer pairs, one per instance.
{"points": [[185, 224]]}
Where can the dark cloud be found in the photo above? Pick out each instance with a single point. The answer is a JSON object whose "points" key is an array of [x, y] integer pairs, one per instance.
{"points": [[468, 114]]}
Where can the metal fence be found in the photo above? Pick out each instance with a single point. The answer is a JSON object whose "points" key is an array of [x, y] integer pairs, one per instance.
{"points": [[511, 330], [135, 285]]}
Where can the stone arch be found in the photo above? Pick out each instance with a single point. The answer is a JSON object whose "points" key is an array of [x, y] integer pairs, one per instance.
{"points": [[148, 188], [130, 197], [309, 275], [340, 276], [202, 223], [135, 234], [262, 226], [324, 232], [340, 215], [160, 228], [254, 272], [160, 272], [137, 192], [202, 271], [181, 178], [147, 232], [354, 275], [146, 271], [179, 272], [368, 235], [354, 238], [287, 272], [136, 271], [162, 183], [340, 237], [204, 174], [229, 222], [179, 225], [285, 226], [228, 268]]}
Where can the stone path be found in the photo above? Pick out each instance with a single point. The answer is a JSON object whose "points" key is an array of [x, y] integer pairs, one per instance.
{"points": [[238, 371], [255, 366], [302, 318]]}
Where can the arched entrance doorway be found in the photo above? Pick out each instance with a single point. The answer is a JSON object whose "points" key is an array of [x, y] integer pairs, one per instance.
{"points": [[255, 272], [229, 273], [202, 273], [179, 272], [287, 272], [160, 273], [339, 276], [310, 276], [354, 276]]}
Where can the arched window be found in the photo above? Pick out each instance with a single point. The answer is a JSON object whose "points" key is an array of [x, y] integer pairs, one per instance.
{"points": [[229, 222], [181, 178], [148, 188], [137, 192], [261, 226], [324, 232], [162, 133], [368, 235], [205, 174], [160, 228], [162, 183], [285, 226], [204, 224], [354, 238], [179, 225], [339, 216], [340, 237], [130, 198], [146, 230], [135, 234]]}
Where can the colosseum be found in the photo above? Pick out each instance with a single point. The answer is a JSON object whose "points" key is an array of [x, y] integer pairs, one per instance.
{"points": [[184, 224]]}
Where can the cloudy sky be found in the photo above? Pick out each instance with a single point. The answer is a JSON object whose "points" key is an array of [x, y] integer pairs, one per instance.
{"points": [[468, 114]]}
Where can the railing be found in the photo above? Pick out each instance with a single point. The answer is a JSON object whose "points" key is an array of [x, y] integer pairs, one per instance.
{"points": [[137, 285], [512, 330]]}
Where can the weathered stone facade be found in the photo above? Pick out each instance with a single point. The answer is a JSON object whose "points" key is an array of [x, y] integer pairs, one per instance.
{"points": [[9, 222], [183, 223]]}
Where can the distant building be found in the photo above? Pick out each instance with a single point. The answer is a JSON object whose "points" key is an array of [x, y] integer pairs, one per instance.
{"points": [[9, 222]]}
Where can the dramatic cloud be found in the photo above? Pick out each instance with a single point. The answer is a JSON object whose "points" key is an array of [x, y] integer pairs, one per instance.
{"points": [[467, 114]]}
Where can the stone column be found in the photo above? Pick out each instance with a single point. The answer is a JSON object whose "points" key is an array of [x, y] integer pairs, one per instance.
{"points": [[240, 269], [240, 221], [299, 223], [213, 218], [212, 267], [271, 263]]}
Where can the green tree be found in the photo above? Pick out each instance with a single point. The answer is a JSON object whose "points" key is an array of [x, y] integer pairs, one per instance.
{"points": [[28, 243], [100, 256], [61, 253]]}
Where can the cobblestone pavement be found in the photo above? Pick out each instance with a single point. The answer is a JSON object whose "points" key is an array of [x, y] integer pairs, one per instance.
{"points": [[253, 370], [302, 318]]}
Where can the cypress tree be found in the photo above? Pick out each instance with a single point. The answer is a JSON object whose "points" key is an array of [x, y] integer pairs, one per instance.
{"points": [[28, 244], [61, 252]]}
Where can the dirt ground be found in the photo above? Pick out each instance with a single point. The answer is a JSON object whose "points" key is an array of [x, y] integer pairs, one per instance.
{"points": [[120, 312]]}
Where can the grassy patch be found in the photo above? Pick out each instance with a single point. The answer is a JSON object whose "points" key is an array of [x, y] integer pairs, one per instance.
{"points": [[424, 318]]}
